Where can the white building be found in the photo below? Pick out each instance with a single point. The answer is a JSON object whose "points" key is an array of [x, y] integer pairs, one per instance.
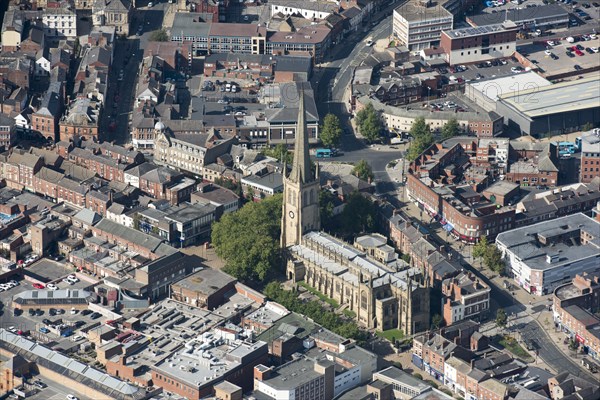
{"points": [[543, 256], [59, 23], [313, 10], [418, 24]]}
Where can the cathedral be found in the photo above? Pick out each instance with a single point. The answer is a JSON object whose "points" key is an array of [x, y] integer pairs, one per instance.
{"points": [[367, 277]]}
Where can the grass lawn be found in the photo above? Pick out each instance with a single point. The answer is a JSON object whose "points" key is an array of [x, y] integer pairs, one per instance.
{"points": [[390, 334], [320, 295], [514, 347], [349, 313]]}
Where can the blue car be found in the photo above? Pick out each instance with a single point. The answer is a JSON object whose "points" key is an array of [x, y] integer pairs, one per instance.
{"points": [[44, 330]]}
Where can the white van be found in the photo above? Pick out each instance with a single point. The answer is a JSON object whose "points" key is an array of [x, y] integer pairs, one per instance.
{"points": [[228, 87]]}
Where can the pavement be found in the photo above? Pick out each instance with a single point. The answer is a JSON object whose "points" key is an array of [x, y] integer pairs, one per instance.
{"points": [[529, 317]]}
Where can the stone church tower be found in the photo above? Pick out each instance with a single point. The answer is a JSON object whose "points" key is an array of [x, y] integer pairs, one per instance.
{"points": [[300, 189]]}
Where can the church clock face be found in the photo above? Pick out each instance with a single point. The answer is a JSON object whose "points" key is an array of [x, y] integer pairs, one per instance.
{"points": [[291, 214]]}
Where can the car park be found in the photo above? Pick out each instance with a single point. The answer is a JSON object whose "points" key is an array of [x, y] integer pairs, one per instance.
{"points": [[39, 384], [548, 52], [44, 330], [51, 286], [589, 50], [569, 54], [554, 56], [65, 280], [38, 286], [516, 70], [579, 52], [78, 324]]}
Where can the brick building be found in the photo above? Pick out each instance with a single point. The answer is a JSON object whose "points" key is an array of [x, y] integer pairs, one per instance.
{"points": [[464, 297], [590, 156], [205, 288], [469, 45], [81, 121]]}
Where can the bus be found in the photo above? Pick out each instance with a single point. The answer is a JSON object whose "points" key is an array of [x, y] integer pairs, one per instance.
{"points": [[566, 149], [326, 153]]}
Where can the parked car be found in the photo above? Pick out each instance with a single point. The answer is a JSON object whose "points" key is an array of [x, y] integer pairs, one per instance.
{"points": [[44, 330], [31, 312], [577, 67], [39, 312], [52, 311], [65, 280], [86, 312], [38, 286], [51, 286], [46, 321], [40, 384], [95, 315]]}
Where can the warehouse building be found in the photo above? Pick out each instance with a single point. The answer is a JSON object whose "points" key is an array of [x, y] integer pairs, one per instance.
{"points": [[541, 17], [552, 110]]}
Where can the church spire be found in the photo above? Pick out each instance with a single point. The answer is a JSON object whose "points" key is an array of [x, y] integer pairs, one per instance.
{"points": [[301, 167]]}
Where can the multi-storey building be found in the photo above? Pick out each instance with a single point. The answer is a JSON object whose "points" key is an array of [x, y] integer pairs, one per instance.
{"points": [[418, 24], [59, 23], [45, 119], [111, 13], [314, 10], [590, 155], [438, 191], [189, 152], [190, 28], [312, 39], [543, 256], [81, 121], [467, 45], [465, 297]]}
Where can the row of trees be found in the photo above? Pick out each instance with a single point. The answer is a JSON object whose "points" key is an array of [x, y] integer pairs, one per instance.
{"points": [[423, 138], [315, 311], [489, 255]]}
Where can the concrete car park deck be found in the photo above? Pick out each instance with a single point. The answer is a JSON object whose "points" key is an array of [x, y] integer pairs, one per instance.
{"points": [[564, 64]]}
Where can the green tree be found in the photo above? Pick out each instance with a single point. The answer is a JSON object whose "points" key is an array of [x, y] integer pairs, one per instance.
{"points": [[248, 240], [419, 128], [359, 214], [331, 131], [159, 35], [280, 152], [422, 138], [363, 170], [493, 259], [588, 126], [481, 248], [450, 129], [369, 123], [436, 321], [136, 221], [326, 205], [501, 318]]}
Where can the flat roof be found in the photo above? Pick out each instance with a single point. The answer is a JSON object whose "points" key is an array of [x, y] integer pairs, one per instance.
{"points": [[413, 12], [507, 85], [519, 15], [200, 367], [558, 98], [525, 242], [481, 30], [206, 281]]}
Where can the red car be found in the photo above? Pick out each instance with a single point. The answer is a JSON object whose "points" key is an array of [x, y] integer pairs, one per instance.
{"points": [[579, 52], [38, 286]]}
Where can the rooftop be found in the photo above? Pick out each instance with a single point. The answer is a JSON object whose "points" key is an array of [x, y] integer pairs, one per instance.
{"points": [[204, 362], [579, 94], [554, 243], [206, 281], [412, 11], [481, 30]]}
